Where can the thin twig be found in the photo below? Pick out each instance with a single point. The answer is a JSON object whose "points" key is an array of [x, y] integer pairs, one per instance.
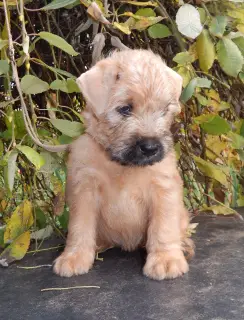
{"points": [[35, 267], [46, 249], [69, 288]]}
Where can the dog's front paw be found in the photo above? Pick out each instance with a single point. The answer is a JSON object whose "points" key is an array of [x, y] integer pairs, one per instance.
{"points": [[165, 265], [73, 263]]}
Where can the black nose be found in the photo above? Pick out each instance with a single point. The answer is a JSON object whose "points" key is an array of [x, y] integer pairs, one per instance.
{"points": [[149, 146]]}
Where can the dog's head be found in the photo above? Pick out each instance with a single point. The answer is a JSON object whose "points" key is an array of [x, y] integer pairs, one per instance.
{"points": [[132, 97]]}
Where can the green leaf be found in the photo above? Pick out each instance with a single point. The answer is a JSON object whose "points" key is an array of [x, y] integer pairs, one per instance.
{"points": [[218, 25], [219, 173], [239, 41], [62, 72], [51, 162], [183, 58], [213, 124], [58, 42], [203, 15], [1, 148], [10, 169], [242, 129], [202, 100], [2, 229], [241, 76], [230, 57], [237, 140], [159, 31], [33, 85], [4, 67], [56, 4], [68, 86], [146, 12], [188, 21], [19, 123], [41, 220], [16, 250], [3, 43], [69, 128], [190, 88], [142, 4], [205, 51], [63, 139], [33, 156], [64, 219]]}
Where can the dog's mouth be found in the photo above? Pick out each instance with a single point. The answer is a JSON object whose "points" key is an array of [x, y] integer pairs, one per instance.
{"points": [[144, 152]]}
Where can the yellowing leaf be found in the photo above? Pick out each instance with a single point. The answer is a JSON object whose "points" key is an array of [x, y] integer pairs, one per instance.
{"points": [[205, 51], [142, 22], [122, 27], [218, 209], [237, 14], [240, 27], [219, 173], [215, 144], [3, 43], [16, 250], [185, 73], [193, 51], [20, 221]]}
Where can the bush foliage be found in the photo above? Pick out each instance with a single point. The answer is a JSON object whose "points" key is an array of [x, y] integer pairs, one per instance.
{"points": [[55, 41]]}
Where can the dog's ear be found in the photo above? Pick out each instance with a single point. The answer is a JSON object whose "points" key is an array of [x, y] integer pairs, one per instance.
{"points": [[176, 81], [96, 85]]}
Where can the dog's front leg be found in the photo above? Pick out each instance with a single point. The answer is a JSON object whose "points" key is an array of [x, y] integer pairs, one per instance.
{"points": [[79, 253], [165, 259]]}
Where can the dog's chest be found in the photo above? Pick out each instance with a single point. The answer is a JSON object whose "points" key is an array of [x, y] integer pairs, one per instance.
{"points": [[124, 211]]}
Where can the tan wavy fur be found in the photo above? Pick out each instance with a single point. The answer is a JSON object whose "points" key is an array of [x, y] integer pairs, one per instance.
{"points": [[118, 194]]}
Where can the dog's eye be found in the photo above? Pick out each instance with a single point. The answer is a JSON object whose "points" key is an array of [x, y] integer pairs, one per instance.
{"points": [[125, 110]]}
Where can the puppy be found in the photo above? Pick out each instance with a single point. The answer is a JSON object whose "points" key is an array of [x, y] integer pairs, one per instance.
{"points": [[123, 187]]}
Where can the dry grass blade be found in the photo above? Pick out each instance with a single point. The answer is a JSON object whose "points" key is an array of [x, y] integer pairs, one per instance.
{"points": [[70, 288]]}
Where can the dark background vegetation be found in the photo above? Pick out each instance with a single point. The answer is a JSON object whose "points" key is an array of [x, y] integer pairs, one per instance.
{"points": [[209, 132]]}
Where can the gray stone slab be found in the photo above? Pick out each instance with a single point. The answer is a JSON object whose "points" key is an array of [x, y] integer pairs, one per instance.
{"points": [[212, 290]]}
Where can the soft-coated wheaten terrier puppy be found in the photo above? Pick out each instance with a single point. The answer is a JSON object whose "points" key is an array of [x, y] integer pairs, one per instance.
{"points": [[123, 186]]}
